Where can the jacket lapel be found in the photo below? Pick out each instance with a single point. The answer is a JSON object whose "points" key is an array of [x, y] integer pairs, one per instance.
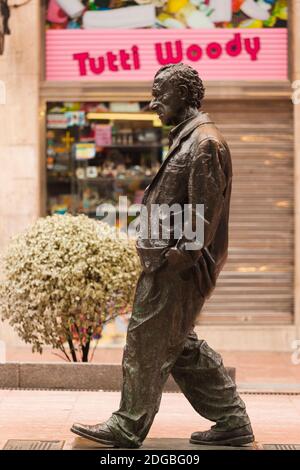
{"points": [[202, 118]]}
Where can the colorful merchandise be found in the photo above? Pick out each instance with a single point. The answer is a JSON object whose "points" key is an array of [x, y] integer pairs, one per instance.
{"points": [[73, 8], [222, 10], [85, 151], [90, 162], [256, 10], [57, 121], [170, 14], [75, 118], [103, 135], [55, 14], [139, 16]]}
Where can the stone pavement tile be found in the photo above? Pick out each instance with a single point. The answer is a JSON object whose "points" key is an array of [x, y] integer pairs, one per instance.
{"points": [[155, 444], [271, 367], [295, 400], [274, 417], [50, 414], [3, 394]]}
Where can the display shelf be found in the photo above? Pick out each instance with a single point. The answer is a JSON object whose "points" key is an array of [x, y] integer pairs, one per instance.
{"points": [[133, 146], [100, 162], [60, 179], [114, 178]]}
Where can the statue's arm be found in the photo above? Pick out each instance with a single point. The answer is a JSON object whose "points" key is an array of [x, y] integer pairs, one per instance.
{"points": [[206, 185]]}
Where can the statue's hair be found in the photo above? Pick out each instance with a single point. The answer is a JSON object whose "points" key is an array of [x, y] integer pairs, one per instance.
{"points": [[182, 74]]}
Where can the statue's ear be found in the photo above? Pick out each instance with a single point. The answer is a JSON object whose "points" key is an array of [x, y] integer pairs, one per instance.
{"points": [[183, 92]]}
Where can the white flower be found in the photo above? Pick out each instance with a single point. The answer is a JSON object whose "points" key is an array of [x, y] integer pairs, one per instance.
{"points": [[66, 269]]}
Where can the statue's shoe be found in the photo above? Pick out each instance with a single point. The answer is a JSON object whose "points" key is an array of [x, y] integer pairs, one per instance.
{"points": [[214, 437], [98, 433]]}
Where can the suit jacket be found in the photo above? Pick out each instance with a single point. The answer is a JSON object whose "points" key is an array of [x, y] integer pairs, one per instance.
{"points": [[197, 170]]}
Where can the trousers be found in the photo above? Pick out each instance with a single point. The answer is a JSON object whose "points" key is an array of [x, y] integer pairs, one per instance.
{"points": [[161, 341]]}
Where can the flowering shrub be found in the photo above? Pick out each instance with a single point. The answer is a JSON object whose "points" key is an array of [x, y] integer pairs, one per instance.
{"points": [[64, 278]]}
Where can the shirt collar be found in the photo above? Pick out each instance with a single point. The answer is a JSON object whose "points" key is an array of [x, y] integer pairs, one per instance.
{"points": [[187, 126]]}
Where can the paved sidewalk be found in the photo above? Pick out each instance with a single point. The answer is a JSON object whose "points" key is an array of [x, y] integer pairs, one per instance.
{"points": [[49, 415]]}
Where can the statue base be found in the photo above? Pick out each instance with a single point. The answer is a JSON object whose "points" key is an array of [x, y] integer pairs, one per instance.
{"points": [[156, 444]]}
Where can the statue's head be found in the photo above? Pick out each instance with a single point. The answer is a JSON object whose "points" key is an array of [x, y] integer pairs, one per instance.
{"points": [[176, 88]]}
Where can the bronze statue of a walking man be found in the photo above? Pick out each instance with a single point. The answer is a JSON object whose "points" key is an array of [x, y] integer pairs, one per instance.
{"points": [[176, 280]]}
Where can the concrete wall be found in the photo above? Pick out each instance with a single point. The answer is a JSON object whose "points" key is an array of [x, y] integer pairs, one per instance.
{"points": [[295, 69], [19, 126]]}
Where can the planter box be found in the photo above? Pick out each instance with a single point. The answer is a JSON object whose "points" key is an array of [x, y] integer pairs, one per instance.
{"points": [[69, 376]]}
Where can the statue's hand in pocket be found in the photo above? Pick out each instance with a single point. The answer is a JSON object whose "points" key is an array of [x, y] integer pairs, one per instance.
{"points": [[177, 260]]}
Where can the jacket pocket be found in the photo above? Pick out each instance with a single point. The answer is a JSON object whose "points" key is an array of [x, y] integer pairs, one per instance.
{"points": [[205, 283]]}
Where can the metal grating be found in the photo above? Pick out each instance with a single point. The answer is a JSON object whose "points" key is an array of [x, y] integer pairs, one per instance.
{"points": [[281, 447], [256, 285], [23, 444]]}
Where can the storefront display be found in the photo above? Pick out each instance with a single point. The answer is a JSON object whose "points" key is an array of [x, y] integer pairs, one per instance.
{"points": [[100, 156], [245, 42], [116, 55], [114, 40], [170, 14]]}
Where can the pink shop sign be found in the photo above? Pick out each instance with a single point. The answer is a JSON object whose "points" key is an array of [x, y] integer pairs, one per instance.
{"points": [[135, 55]]}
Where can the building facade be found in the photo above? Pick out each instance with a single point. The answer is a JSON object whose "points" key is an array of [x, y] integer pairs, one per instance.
{"points": [[256, 304]]}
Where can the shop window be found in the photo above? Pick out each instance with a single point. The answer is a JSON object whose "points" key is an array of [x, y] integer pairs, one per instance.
{"points": [[97, 152], [167, 14]]}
